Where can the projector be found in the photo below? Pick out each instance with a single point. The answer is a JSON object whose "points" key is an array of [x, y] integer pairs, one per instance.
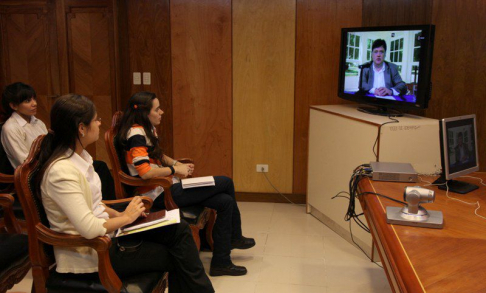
{"points": [[401, 172]]}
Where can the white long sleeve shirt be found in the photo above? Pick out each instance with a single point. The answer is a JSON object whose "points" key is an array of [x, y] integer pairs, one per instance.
{"points": [[18, 136], [69, 204]]}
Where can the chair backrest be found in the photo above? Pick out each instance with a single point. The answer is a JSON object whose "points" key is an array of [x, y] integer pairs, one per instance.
{"points": [[116, 153], [6, 169], [41, 255]]}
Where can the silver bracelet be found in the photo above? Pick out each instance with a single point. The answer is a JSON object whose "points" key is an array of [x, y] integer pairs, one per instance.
{"points": [[175, 162]]}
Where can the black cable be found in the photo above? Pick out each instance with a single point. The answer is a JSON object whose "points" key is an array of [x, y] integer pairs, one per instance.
{"points": [[279, 191], [352, 239], [378, 135], [381, 195]]}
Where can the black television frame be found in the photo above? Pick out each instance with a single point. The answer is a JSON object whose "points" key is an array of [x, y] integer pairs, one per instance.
{"points": [[424, 85]]}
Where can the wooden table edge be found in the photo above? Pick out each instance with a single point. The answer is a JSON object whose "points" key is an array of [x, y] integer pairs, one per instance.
{"points": [[397, 264]]}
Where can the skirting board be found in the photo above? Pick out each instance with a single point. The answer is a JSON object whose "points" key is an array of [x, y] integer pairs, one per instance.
{"points": [[270, 197], [343, 232]]}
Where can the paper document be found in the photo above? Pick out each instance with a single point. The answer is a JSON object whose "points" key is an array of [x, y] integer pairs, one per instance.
{"points": [[170, 218], [197, 182]]}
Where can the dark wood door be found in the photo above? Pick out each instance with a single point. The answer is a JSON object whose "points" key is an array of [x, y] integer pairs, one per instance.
{"points": [[28, 50], [91, 63]]}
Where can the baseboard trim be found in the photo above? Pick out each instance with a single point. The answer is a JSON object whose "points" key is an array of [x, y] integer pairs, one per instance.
{"points": [[270, 197]]}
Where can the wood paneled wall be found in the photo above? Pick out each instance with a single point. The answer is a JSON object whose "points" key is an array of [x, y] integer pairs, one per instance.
{"points": [[319, 26], [397, 12], [264, 68], [202, 83], [235, 77], [458, 75], [458, 81], [149, 51]]}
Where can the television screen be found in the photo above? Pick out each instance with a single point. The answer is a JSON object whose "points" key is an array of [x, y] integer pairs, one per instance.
{"points": [[388, 67]]}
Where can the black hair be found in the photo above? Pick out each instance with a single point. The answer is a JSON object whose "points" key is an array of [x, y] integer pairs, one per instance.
{"points": [[378, 43], [16, 93], [137, 111], [67, 113]]}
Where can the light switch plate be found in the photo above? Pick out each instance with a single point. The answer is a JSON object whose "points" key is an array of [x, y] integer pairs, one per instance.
{"points": [[137, 78], [147, 79]]}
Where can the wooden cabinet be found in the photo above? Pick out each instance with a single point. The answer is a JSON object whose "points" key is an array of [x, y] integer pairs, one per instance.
{"points": [[342, 138], [60, 47]]}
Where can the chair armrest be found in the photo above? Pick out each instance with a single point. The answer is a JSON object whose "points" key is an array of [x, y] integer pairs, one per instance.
{"points": [[147, 202], [11, 224], [4, 178], [185, 161], [101, 244], [46, 235], [165, 182]]}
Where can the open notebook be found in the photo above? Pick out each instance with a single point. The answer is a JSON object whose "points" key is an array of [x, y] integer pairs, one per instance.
{"points": [[152, 221]]}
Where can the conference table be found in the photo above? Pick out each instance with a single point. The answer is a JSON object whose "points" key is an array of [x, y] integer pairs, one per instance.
{"points": [[452, 259]]}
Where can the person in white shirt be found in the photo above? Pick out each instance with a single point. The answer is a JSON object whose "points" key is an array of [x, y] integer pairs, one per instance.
{"points": [[381, 78], [22, 128], [71, 196]]}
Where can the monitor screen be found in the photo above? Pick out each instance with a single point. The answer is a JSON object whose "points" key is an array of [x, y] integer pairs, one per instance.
{"points": [[460, 146], [387, 66]]}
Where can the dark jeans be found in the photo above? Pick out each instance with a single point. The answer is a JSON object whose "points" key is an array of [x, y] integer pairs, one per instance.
{"points": [[220, 197], [167, 249]]}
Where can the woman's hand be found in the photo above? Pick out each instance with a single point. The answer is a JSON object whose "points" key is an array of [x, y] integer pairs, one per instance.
{"points": [[184, 170], [134, 209]]}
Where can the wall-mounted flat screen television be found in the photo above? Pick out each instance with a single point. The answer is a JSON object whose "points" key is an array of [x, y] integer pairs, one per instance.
{"points": [[388, 68]]}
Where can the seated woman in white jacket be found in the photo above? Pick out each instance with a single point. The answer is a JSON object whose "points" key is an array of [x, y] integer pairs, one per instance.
{"points": [[71, 194]]}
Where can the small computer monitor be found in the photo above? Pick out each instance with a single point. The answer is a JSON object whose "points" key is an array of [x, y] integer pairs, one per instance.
{"points": [[459, 152]]}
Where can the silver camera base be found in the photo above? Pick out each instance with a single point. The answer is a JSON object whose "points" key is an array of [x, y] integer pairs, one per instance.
{"points": [[397, 216]]}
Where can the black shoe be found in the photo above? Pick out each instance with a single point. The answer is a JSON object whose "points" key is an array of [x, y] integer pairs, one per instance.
{"points": [[231, 270], [243, 243]]}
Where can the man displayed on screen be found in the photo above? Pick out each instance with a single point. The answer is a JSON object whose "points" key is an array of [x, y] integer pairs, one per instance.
{"points": [[462, 152], [381, 78]]}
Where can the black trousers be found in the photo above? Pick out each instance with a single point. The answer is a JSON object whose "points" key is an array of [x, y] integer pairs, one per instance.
{"points": [[220, 197], [107, 183], [168, 249]]}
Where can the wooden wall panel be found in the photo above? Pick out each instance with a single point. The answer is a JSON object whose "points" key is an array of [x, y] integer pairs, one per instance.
{"points": [[263, 93], [319, 26], [458, 76], [201, 83], [28, 51], [149, 45], [91, 64], [397, 12]]}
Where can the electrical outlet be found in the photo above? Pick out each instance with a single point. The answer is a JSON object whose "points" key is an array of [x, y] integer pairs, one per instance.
{"points": [[262, 168], [137, 78]]}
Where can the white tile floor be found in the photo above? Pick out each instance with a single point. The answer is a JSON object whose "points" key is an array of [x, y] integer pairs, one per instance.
{"points": [[294, 253]]}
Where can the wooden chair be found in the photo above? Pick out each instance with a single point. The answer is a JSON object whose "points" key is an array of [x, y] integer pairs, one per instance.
{"points": [[7, 186], [198, 217], [14, 248], [42, 238]]}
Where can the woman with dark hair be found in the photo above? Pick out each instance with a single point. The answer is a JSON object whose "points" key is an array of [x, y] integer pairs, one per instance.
{"points": [[19, 102], [145, 158], [71, 195]]}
